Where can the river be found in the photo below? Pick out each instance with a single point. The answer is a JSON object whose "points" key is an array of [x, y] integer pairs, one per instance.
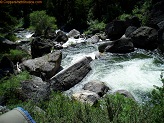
{"points": [[136, 72]]}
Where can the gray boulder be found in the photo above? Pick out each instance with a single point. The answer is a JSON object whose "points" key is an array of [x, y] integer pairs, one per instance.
{"points": [[40, 47], [97, 86], [35, 89], [125, 93], [115, 29], [73, 33], [161, 39], [86, 96], [122, 45], [6, 45], [93, 39], [102, 46], [6, 67], [161, 24], [45, 66], [61, 37], [129, 30], [72, 75], [145, 37]]}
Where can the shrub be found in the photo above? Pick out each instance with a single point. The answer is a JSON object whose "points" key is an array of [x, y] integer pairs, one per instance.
{"points": [[124, 16], [141, 11], [16, 55], [9, 87], [95, 25], [11, 37], [40, 21]]}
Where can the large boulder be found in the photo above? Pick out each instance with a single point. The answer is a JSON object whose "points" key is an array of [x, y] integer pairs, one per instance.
{"points": [[161, 39], [156, 13], [129, 30], [35, 89], [125, 93], [115, 30], [6, 45], [6, 67], [93, 39], [72, 75], [45, 66], [122, 45], [61, 37], [102, 46], [145, 37], [86, 96], [133, 21], [73, 33], [40, 47], [96, 86], [161, 24]]}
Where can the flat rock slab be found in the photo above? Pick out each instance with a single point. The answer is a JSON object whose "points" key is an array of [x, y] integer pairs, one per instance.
{"points": [[72, 75]]}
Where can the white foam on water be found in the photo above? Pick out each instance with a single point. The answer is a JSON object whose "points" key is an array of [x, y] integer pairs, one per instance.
{"points": [[136, 76], [72, 41], [28, 35]]}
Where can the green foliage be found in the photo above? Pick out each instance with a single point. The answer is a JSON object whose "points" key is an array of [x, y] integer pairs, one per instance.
{"points": [[111, 109], [124, 16], [95, 25], [16, 55], [157, 103], [40, 21], [141, 11], [11, 37], [9, 87]]}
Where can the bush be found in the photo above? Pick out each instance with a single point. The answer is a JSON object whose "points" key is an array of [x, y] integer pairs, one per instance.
{"points": [[95, 26], [9, 88], [141, 11], [40, 21], [16, 55], [11, 37], [124, 16]]}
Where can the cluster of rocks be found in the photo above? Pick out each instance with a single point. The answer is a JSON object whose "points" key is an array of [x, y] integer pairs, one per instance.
{"points": [[147, 37]]}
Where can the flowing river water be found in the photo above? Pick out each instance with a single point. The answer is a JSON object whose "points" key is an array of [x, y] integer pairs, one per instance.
{"points": [[136, 72]]}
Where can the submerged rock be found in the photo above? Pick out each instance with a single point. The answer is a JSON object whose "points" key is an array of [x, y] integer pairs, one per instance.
{"points": [[72, 75]]}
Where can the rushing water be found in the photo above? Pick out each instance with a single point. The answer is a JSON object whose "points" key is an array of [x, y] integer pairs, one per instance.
{"points": [[136, 72]]}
